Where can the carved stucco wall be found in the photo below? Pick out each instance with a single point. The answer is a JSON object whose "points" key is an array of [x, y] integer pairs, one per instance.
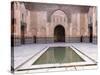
{"points": [[59, 18], [72, 13], [42, 19]]}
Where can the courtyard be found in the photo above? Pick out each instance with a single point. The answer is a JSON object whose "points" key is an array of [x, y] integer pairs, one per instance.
{"points": [[49, 37], [27, 53]]}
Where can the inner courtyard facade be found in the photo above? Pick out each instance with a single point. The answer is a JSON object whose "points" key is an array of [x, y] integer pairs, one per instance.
{"points": [[33, 23]]}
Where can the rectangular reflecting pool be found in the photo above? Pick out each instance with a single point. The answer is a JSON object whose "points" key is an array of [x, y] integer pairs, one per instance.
{"points": [[58, 55]]}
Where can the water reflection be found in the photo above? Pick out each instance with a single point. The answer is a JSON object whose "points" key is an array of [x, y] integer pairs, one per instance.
{"points": [[58, 55]]}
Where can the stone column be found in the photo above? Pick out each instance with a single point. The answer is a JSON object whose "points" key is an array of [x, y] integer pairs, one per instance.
{"points": [[78, 24], [86, 28], [94, 25], [17, 33]]}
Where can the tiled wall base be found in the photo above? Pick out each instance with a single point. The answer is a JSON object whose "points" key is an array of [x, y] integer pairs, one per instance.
{"points": [[73, 40], [86, 39], [29, 40], [43, 40], [17, 42], [95, 40]]}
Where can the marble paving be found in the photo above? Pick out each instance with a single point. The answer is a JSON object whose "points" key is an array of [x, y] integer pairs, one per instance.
{"points": [[24, 52]]}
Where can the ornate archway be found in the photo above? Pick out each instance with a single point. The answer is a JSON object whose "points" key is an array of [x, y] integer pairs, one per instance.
{"points": [[59, 34]]}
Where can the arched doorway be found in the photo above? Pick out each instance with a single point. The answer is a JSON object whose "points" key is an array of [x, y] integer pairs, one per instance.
{"points": [[23, 31], [59, 34], [22, 34]]}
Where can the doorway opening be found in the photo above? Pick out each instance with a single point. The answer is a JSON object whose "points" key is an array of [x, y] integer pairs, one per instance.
{"points": [[59, 34], [91, 34], [22, 34]]}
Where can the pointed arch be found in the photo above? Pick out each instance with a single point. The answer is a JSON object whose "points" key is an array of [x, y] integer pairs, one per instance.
{"points": [[59, 34], [58, 10], [58, 16]]}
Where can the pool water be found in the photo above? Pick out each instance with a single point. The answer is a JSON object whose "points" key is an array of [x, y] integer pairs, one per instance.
{"points": [[58, 55]]}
